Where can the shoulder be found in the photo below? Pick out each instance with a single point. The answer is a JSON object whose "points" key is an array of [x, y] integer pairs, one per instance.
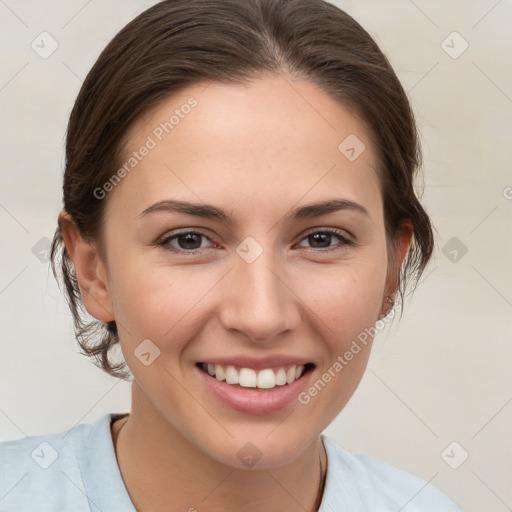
{"points": [[55, 471], [366, 483], [42, 450]]}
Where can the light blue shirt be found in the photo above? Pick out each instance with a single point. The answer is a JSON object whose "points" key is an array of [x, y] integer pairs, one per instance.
{"points": [[76, 470]]}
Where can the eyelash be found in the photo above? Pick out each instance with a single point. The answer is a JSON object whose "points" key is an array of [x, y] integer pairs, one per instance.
{"points": [[164, 242]]}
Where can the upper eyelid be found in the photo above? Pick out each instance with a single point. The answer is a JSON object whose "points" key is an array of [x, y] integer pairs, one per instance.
{"points": [[336, 231], [345, 237], [184, 231]]}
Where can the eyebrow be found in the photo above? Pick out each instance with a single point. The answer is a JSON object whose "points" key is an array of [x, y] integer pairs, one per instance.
{"points": [[208, 211]]}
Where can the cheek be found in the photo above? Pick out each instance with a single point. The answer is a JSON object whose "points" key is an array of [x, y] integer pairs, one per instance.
{"points": [[158, 302], [345, 307], [348, 298], [163, 303]]}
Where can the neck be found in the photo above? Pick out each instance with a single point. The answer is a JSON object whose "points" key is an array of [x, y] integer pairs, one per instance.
{"points": [[163, 470]]}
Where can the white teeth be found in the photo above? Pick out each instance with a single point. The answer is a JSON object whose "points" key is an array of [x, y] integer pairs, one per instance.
{"points": [[231, 375], [219, 372], [249, 378], [266, 379], [290, 375], [281, 377]]}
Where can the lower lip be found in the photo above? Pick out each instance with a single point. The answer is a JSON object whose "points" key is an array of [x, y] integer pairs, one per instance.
{"points": [[251, 401]]}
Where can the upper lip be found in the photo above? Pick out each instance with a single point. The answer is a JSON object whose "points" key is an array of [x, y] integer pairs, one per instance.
{"points": [[258, 363]]}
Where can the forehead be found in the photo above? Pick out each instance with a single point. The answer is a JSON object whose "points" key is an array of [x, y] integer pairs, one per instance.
{"points": [[260, 144]]}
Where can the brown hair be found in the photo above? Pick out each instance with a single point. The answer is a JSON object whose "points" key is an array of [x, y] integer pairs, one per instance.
{"points": [[177, 43]]}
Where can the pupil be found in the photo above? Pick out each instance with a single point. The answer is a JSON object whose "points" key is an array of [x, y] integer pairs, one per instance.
{"points": [[318, 237], [189, 238]]}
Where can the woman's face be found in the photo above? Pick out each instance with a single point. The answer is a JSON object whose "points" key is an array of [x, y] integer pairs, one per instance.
{"points": [[260, 282]]}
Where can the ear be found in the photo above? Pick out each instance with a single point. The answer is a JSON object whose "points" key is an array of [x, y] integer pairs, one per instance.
{"points": [[397, 253], [90, 270]]}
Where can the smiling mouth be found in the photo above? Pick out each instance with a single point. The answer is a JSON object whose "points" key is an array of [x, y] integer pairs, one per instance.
{"points": [[249, 378]]}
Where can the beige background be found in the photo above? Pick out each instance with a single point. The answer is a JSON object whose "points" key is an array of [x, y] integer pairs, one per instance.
{"points": [[441, 374]]}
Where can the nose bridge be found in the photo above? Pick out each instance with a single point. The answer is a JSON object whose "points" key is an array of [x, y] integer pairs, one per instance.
{"points": [[258, 301]]}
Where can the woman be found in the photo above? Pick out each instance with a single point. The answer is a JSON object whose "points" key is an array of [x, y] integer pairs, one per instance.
{"points": [[238, 210]]}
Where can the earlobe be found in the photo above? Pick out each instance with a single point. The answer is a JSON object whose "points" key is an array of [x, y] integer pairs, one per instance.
{"points": [[89, 268], [400, 247], [404, 241]]}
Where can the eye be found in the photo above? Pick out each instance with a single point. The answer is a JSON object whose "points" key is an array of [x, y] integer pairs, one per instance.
{"points": [[321, 239], [188, 242]]}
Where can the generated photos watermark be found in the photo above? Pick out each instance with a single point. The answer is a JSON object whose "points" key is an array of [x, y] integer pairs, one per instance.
{"points": [[343, 360], [152, 140]]}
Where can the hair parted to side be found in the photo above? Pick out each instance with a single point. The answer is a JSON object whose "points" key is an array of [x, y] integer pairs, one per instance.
{"points": [[177, 43]]}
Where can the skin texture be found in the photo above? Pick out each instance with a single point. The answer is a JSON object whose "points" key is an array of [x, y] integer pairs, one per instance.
{"points": [[256, 151]]}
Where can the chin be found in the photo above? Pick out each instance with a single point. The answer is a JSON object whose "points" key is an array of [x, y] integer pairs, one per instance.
{"points": [[261, 451]]}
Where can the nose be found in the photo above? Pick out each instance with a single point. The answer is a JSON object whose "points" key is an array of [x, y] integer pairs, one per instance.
{"points": [[258, 300]]}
